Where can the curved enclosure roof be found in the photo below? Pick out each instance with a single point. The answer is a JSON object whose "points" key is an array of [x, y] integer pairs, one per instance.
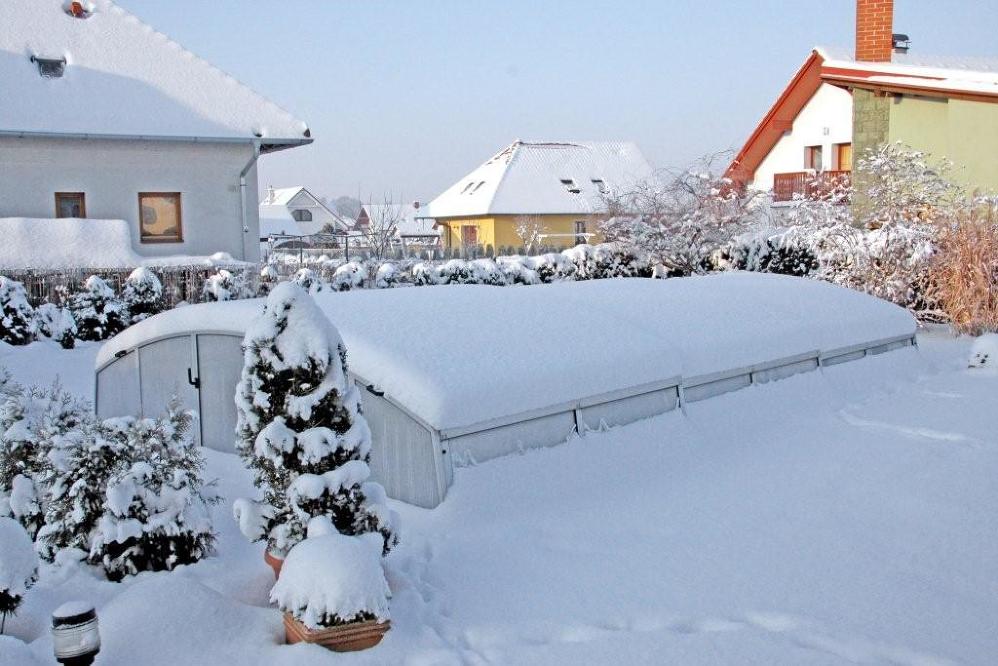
{"points": [[459, 355]]}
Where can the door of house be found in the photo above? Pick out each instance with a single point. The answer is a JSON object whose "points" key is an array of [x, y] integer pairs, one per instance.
{"points": [[580, 232], [469, 236]]}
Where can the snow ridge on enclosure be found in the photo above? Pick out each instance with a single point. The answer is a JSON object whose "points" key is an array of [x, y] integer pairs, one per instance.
{"points": [[458, 355], [122, 78]]}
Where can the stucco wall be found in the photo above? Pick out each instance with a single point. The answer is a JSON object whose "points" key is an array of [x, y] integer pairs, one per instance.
{"points": [[112, 173], [500, 230], [830, 108], [963, 131]]}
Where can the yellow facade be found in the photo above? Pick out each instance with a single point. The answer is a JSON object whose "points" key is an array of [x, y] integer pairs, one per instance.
{"points": [[500, 230]]}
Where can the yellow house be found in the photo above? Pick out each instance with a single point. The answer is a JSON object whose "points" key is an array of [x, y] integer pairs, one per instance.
{"points": [[537, 192]]}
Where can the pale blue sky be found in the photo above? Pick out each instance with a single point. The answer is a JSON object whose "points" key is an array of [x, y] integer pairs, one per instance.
{"points": [[407, 96]]}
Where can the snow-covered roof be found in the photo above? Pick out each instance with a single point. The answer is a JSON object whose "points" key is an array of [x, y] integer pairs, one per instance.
{"points": [[67, 243], [914, 63], [594, 337], [409, 220], [123, 79], [544, 177], [285, 197], [282, 196]]}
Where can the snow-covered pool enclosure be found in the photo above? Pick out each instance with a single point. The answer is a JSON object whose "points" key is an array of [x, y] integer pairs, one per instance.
{"points": [[457, 374]]}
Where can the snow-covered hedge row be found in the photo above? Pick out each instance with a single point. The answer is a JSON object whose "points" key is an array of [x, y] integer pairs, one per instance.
{"points": [[125, 494]]}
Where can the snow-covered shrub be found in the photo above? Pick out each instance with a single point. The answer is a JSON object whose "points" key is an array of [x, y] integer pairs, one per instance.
{"points": [[486, 271], [56, 323], [332, 579], [16, 314], [554, 267], [781, 251], [18, 567], [984, 352], [301, 430], [308, 280], [425, 273], [518, 270], [99, 314], [142, 294], [269, 276], [457, 271], [155, 511], [388, 276], [348, 276], [22, 459], [226, 286], [613, 260]]}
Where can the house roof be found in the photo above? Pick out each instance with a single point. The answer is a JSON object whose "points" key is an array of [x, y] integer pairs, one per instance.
{"points": [[281, 197], [544, 177], [123, 79], [945, 76], [409, 220]]}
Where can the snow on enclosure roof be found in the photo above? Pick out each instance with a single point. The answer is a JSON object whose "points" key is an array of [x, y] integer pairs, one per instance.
{"points": [[37, 244], [964, 68], [527, 348], [544, 177], [122, 78]]}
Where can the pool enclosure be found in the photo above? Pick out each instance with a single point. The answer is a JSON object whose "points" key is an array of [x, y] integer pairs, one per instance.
{"points": [[459, 374]]}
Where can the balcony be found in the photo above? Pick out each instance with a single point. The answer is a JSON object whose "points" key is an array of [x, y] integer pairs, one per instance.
{"points": [[809, 184]]}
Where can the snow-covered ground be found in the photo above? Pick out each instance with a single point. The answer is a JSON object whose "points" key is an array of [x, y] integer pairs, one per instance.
{"points": [[842, 516]]}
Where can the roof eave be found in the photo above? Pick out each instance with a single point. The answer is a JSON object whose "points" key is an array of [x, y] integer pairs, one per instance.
{"points": [[266, 145], [911, 89]]}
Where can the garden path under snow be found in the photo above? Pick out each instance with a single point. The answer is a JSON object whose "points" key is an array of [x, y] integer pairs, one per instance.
{"points": [[842, 516]]}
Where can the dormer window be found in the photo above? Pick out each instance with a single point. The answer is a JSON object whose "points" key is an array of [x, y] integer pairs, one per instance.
{"points": [[600, 185], [50, 68], [80, 9], [468, 187], [478, 187], [570, 185]]}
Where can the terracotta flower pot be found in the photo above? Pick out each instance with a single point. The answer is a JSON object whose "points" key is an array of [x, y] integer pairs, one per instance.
{"points": [[344, 638], [274, 561]]}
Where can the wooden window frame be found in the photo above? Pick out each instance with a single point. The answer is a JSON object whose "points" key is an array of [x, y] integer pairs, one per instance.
{"points": [[838, 155], [809, 154], [180, 218], [83, 202]]}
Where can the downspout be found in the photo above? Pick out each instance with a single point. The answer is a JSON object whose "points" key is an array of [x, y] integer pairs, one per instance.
{"points": [[243, 208]]}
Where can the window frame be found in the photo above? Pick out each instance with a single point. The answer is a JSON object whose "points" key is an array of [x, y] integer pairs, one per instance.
{"points": [[809, 154], [302, 211], [838, 155], [179, 238], [82, 196]]}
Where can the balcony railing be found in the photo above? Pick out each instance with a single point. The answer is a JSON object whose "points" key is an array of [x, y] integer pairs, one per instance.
{"points": [[809, 184]]}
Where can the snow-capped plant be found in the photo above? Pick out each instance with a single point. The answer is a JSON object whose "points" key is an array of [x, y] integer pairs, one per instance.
{"points": [[486, 271], [226, 286], [331, 580], [457, 271], [388, 276], [518, 270], [301, 430], [554, 267], [18, 567], [424, 274], [22, 459], [155, 511], [142, 294], [56, 323], [348, 276], [16, 314], [99, 314], [308, 280], [269, 276]]}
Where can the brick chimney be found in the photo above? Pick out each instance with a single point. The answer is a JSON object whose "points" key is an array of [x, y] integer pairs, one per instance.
{"points": [[874, 28]]}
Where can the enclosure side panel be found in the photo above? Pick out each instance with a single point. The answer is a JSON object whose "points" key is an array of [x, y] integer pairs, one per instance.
{"points": [[220, 363], [784, 371], [403, 455], [710, 389], [630, 409], [164, 364], [118, 388], [535, 433]]}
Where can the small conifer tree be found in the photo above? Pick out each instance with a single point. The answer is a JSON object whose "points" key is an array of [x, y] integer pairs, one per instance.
{"points": [[142, 294], [57, 324], [16, 314], [98, 312]]}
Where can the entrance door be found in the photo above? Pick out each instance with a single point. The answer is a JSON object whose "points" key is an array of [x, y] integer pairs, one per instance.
{"points": [[469, 236]]}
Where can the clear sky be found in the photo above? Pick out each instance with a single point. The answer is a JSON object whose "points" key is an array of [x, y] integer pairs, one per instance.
{"points": [[406, 96]]}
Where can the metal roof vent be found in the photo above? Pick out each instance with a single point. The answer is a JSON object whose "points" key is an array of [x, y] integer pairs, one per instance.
{"points": [[900, 42], [50, 68]]}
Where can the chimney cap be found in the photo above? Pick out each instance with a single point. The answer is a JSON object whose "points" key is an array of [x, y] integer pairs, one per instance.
{"points": [[900, 42]]}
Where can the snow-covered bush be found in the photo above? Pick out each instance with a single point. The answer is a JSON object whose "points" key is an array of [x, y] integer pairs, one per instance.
{"points": [[389, 275], [56, 323], [22, 459], [225, 286], [518, 270], [770, 251], [308, 280], [142, 294], [554, 267], [457, 271], [18, 567], [155, 513], [332, 579], [348, 276], [301, 430], [99, 314], [269, 276], [16, 314], [486, 271], [424, 274]]}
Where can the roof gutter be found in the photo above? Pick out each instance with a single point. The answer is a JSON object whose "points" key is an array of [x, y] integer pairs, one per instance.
{"points": [[270, 145], [243, 208]]}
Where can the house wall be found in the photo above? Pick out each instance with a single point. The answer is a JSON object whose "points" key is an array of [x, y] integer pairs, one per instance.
{"points": [[965, 132], [831, 108], [320, 215], [500, 230], [113, 172]]}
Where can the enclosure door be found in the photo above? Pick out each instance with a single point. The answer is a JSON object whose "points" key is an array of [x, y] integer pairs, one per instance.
{"points": [[220, 362], [166, 369]]}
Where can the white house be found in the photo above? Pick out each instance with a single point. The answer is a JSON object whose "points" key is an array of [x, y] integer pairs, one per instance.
{"points": [[409, 219], [103, 117], [309, 214]]}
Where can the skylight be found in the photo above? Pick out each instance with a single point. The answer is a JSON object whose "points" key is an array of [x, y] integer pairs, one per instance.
{"points": [[570, 185], [50, 68], [600, 185], [467, 187], [478, 187]]}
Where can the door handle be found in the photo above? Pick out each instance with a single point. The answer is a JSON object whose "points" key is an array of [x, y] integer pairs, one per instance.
{"points": [[196, 383]]}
